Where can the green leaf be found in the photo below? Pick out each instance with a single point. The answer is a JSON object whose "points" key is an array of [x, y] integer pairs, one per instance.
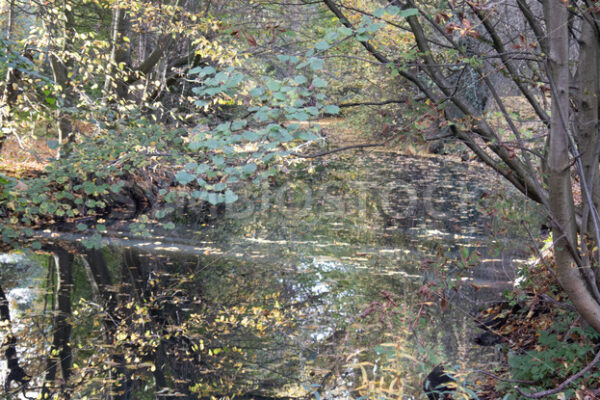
{"points": [[116, 187], [319, 82], [230, 197], [218, 160], [379, 12], [331, 36], [372, 28], [249, 168], [316, 64], [250, 136], [202, 168], [300, 79], [331, 109], [299, 116], [239, 124], [314, 111], [213, 199], [306, 136], [90, 187], [81, 227], [206, 71], [200, 194], [409, 12], [184, 177], [322, 45], [279, 96], [273, 85], [345, 31], [257, 92], [393, 10]]}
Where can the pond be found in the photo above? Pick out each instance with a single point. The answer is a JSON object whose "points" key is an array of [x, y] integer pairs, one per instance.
{"points": [[353, 276]]}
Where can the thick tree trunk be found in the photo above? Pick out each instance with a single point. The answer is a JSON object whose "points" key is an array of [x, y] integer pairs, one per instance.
{"points": [[587, 136], [561, 198]]}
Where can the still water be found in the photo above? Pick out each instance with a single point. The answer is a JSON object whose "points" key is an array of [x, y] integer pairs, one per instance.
{"points": [[352, 277]]}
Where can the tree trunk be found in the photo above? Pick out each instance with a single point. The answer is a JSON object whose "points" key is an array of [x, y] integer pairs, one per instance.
{"points": [[10, 81], [115, 85], [587, 132], [562, 207], [61, 325], [121, 386], [60, 63], [15, 372]]}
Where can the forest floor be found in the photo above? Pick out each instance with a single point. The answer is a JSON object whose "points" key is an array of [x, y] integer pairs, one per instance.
{"points": [[26, 158], [541, 340]]}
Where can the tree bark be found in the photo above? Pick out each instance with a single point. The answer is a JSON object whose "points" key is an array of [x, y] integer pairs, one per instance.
{"points": [[60, 63], [587, 132], [115, 86], [562, 207], [11, 75]]}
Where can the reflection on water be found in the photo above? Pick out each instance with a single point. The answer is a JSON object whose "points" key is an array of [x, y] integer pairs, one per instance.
{"points": [[306, 285]]}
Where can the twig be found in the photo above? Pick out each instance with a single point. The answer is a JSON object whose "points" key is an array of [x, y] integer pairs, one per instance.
{"points": [[378, 103], [354, 146], [539, 253], [503, 379], [568, 334]]}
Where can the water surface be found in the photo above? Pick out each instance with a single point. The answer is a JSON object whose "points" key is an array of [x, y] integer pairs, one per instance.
{"points": [[323, 284]]}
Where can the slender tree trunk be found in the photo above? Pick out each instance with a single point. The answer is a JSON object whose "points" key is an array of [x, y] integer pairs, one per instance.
{"points": [[10, 81], [562, 208], [60, 63], [15, 372], [115, 85], [60, 351]]}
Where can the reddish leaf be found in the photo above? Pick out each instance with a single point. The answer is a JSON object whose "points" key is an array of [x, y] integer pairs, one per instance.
{"points": [[251, 40]]}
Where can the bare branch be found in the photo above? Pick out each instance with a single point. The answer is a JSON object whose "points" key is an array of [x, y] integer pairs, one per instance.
{"points": [[351, 147]]}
